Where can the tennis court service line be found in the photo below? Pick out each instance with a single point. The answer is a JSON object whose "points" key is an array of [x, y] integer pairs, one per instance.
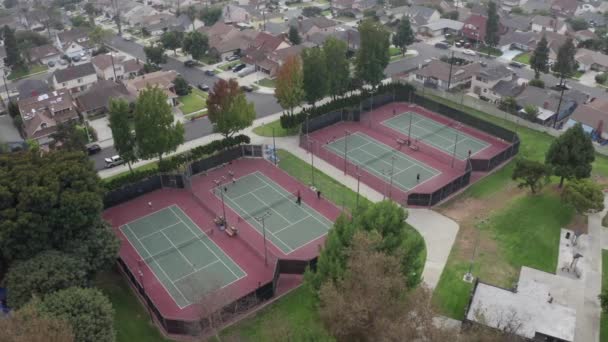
{"points": [[250, 191], [292, 224], [196, 270], [158, 231], [180, 252], [269, 207]]}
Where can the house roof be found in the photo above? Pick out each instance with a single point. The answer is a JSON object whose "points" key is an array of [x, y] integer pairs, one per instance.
{"points": [[565, 7], [516, 22], [536, 5], [276, 28], [590, 57], [508, 88], [444, 23], [74, 72], [73, 35], [592, 113], [441, 71], [234, 14], [545, 21], [422, 12], [49, 109], [39, 52], [162, 79], [132, 65], [100, 94], [495, 72], [548, 99], [305, 25], [104, 61], [475, 27], [584, 35], [267, 42], [30, 87], [516, 37]]}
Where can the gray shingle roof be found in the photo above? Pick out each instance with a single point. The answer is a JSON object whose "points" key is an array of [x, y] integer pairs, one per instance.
{"points": [[74, 72]]}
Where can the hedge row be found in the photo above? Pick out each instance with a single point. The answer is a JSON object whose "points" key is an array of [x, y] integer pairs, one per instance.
{"points": [[348, 102], [175, 162]]}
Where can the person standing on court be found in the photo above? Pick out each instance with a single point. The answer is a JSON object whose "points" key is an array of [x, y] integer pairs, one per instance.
{"points": [[299, 198], [318, 194]]}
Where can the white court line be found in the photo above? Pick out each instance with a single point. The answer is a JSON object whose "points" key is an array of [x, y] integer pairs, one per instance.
{"points": [[145, 216], [178, 250], [268, 206], [250, 191], [162, 269], [159, 231], [195, 271], [291, 225]]}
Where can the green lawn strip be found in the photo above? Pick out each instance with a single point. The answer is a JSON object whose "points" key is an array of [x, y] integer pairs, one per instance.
{"points": [[604, 317], [32, 69], [227, 66], [490, 51], [394, 51], [144, 167], [131, 319], [523, 58], [266, 130], [193, 102], [266, 82]]}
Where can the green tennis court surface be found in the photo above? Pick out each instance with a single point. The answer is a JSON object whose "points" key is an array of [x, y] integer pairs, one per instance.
{"points": [[436, 134], [184, 259], [377, 158], [288, 225]]}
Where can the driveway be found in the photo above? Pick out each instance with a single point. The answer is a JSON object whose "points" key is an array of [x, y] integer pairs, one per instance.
{"points": [[509, 55]]}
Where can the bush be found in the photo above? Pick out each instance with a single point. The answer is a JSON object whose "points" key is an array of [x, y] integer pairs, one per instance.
{"points": [[601, 78], [181, 86], [537, 83]]}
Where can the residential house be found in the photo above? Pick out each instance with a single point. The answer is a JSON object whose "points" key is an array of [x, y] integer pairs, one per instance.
{"points": [[524, 41], [441, 27], [474, 28], [508, 5], [275, 29], [594, 19], [232, 14], [593, 116], [157, 24], [259, 50], [310, 26], [444, 5], [436, 74], [110, 67], [421, 15], [495, 83], [547, 103], [555, 41], [226, 40], [591, 60], [535, 6], [513, 22], [10, 138], [136, 14], [162, 79], [43, 54], [541, 23], [41, 114], [33, 19], [76, 78], [97, 99], [564, 8], [584, 35], [29, 87], [74, 42], [279, 57], [352, 7]]}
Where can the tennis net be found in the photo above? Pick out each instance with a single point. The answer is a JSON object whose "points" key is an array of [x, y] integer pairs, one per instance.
{"points": [[435, 132], [176, 247]]}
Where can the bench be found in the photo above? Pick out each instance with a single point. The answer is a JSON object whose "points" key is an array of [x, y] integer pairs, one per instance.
{"points": [[231, 231], [414, 147], [401, 142]]}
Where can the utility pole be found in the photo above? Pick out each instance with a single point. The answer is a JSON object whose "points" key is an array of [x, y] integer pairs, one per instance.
{"points": [[312, 163], [559, 104], [455, 146], [346, 134], [450, 76], [113, 67], [262, 219]]}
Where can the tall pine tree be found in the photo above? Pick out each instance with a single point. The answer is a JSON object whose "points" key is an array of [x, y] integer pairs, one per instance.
{"points": [[373, 55], [565, 64], [124, 139], [315, 74], [492, 25], [13, 54], [540, 58], [294, 35], [404, 35], [338, 77]]}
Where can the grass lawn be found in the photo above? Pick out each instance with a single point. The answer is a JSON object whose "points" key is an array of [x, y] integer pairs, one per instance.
{"points": [[266, 82], [32, 69], [208, 59], [604, 317], [266, 130], [394, 51], [490, 51], [193, 102], [226, 66], [578, 74], [131, 320], [523, 58]]}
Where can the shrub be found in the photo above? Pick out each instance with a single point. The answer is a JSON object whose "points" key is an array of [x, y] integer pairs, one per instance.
{"points": [[537, 83], [601, 78]]}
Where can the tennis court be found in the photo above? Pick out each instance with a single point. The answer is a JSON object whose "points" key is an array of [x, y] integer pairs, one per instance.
{"points": [[187, 263], [441, 136], [288, 225], [382, 160]]}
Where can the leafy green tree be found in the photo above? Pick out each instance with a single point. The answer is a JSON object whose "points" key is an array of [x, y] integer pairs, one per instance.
{"points": [[311, 11], [155, 54], [91, 11], [181, 86], [373, 54], [88, 312], [338, 75], [571, 155], [210, 15], [404, 35], [492, 25], [172, 40], [314, 71], [228, 108], [10, 3], [565, 65], [578, 24], [531, 112], [124, 138], [97, 245], [70, 137], [145, 32], [29, 325], [100, 36], [13, 109], [80, 21], [288, 90], [196, 44], [584, 196], [508, 104], [539, 60], [13, 54], [531, 174], [453, 15], [155, 130], [43, 274], [294, 35]]}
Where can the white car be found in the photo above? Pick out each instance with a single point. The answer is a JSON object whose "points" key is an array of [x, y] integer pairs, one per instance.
{"points": [[469, 52], [113, 161]]}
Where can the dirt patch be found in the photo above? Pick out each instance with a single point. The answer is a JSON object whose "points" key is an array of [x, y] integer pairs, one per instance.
{"points": [[578, 224]]}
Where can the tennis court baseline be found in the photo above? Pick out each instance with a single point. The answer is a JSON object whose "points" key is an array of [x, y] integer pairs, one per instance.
{"points": [[187, 263], [288, 225], [436, 134], [377, 158]]}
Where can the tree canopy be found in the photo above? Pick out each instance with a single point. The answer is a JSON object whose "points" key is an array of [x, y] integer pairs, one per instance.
{"points": [[43, 274], [294, 35], [120, 124], [228, 108], [565, 64], [492, 25], [583, 195], [29, 325], [404, 35], [531, 174], [288, 90], [210, 15], [155, 54], [314, 70], [539, 60], [13, 53], [172, 40], [337, 65], [571, 154], [196, 44], [373, 54]]}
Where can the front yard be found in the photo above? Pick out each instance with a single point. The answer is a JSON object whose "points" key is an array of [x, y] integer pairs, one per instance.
{"points": [[604, 317], [31, 69], [523, 58], [194, 102], [266, 82]]}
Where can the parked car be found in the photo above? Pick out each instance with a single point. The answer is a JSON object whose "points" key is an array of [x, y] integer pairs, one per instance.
{"points": [[127, 37], [247, 88], [246, 71], [76, 58], [562, 86], [209, 73], [232, 58], [93, 148], [469, 52], [189, 63], [114, 161], [458, 44], [442, 45], [516, 64], [51, 64], [203, 87], [239, 67], [63, 62]]}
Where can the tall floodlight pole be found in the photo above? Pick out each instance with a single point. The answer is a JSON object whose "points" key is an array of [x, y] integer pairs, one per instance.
{"points": [[358, 181], [274, 149], [262, 219], [390, 189], [312, 162], [218, 183], [346, 133], [409, 129], [455, 146]]}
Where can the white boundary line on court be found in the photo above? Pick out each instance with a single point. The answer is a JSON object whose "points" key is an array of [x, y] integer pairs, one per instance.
{"points": [[146, 216], [250, 191], [293, 223], [178, 250], [196, 271], [162, 269], [158, 231], [268, 206]]}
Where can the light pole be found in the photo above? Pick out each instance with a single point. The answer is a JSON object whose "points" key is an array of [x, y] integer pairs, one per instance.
{"points": [[274, 149], [312, 162], [455, 145], [346, 134], [262, 219], [390, 189], [358, 182], [218, 183]]}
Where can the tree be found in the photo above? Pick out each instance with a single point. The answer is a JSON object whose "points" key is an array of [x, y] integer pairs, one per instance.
{"points": [[584, 196], [294, 35], [314, 71], [88, 312], [155, 54], [13, 109], [508, 104], [172, 40], [531, 174], [10, 3], [210, 15], [99, 36], [338, 79], [191, 13], [13, 54], [91, 11], [228, 108], [453, 15], [196, 44], [80, 21], [311, 11], [145, 32], [97, 245], [404, 35], [578, 24], [43, 274], [565, 64], [531, 112], [540, 58], [181, 86], [70, 137], [373, 55], [492, 25], [289, 91], [29, 325], [571, 154], [120, 124], [155, 130]]}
